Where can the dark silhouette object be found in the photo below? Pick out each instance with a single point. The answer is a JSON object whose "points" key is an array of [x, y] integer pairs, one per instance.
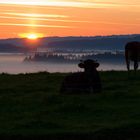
{"points": [[83, 82], [132, 52]]}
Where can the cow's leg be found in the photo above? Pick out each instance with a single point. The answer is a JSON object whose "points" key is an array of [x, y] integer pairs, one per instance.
{"points": [[127, 59], [128, 65], [135, 65]]}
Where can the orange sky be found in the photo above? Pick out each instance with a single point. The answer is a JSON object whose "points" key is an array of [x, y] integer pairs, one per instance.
{"points": [[69, 17]]}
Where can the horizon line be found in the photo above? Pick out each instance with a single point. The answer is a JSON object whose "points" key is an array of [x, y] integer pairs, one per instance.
{"points": [[76, 36]]}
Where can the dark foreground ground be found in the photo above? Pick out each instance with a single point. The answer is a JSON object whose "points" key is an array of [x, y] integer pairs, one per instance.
{"points": [[31, 107]]}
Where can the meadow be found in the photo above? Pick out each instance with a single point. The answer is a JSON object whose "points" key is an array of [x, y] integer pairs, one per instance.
{"points": [[32, 107]]}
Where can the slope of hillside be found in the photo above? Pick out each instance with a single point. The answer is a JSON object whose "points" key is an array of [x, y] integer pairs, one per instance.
{"points": [[115, 42]]}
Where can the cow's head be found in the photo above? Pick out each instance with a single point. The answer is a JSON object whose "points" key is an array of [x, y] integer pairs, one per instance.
{"points": [[91, 64]]}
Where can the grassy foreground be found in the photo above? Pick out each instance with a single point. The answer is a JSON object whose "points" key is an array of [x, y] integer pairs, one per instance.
{"points": [[32, 107]]}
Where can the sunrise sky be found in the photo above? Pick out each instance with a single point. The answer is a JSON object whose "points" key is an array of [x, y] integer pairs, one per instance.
{"points": [[18, 18]]}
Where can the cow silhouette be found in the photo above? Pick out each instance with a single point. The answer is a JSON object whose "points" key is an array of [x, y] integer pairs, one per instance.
{"points": [[83, 82], [132, 53]]}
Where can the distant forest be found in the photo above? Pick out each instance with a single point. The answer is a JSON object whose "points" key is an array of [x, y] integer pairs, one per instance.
{"points": [[112, 43]]}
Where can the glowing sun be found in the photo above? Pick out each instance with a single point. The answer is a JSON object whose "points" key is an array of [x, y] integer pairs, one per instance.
{"points": [[32, 36]]}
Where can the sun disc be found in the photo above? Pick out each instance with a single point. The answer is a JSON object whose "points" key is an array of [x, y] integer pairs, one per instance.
{"points": [[32, 36]]}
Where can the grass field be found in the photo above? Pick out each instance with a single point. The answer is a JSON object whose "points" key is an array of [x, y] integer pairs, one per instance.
{"points": [[32, 107]]}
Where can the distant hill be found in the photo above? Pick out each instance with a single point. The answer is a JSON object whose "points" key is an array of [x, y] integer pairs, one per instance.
{"points": [[12, 48], [94, 43], [114, 42]]}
